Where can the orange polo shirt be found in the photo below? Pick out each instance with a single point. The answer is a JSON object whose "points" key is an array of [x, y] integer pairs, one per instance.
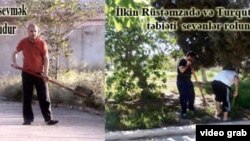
{"points": [[33, 54]]}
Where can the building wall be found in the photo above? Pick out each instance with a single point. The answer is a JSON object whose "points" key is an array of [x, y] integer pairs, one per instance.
{"points": [[89, 47]]}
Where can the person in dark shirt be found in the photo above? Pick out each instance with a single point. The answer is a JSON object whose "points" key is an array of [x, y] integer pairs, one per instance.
{"points": [[184, 84]]}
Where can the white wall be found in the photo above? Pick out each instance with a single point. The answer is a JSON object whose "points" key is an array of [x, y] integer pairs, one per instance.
{"points": [[8, 44], [88, 48]]}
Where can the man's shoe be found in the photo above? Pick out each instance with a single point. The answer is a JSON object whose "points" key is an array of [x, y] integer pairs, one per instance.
{"points": [[27, 123], [52, 122]]}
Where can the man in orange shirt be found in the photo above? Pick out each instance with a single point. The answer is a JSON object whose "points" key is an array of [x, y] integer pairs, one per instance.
{"points": [[35, 60]]}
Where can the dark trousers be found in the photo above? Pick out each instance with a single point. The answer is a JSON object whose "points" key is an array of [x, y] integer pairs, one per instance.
{"points": [[29, 81], [187, 95], [222, 94]]}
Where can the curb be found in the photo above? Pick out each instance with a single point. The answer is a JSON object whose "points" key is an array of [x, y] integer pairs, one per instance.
{"points": [[165, 131]]}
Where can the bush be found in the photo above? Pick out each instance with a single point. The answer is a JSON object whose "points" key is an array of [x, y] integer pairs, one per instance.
{"points": [[139, 116], [13, 92], [10, 87], [112, 118], [244, 94]]}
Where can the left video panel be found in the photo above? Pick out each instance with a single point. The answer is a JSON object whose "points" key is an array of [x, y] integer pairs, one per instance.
{"points": [[52, 70]]}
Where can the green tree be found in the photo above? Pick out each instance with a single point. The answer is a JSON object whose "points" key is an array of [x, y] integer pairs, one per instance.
{"points": [[214, 48], [135, 57]]}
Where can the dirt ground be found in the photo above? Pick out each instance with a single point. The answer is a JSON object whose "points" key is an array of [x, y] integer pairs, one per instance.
{"points": [[204, 114]]}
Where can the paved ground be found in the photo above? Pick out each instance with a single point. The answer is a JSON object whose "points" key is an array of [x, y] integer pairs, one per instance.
{"points": [[73, 125], [172, 138], [179, 133]]}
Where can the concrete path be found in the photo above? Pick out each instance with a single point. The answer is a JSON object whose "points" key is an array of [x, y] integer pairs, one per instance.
{"points": [[179, 133], [172, 138], [74, 125]]}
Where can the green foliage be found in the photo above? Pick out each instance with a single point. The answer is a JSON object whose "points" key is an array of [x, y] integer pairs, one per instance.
{"points": [[125, 22], [134, 56], [150, 114], [176, 54], [214, 48], [244, 94], [150, 119], [112, 119], [142, 116]]}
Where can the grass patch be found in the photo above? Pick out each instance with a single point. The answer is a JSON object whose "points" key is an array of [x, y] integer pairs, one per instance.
{"points": [[139, 115], [244, 94], [146, 114]]}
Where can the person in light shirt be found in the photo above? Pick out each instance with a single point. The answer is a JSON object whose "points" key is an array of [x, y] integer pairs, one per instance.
{"points": [[221, 86]]}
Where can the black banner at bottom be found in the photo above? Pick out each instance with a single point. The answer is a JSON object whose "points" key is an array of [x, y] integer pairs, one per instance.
{"points": [[223, 132]]}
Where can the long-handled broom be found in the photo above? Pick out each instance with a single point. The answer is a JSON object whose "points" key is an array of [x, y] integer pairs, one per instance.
{"points": [[79, 91]]}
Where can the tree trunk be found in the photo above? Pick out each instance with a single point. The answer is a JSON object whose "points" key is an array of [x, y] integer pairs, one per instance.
{"points": [[203, 75]]}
